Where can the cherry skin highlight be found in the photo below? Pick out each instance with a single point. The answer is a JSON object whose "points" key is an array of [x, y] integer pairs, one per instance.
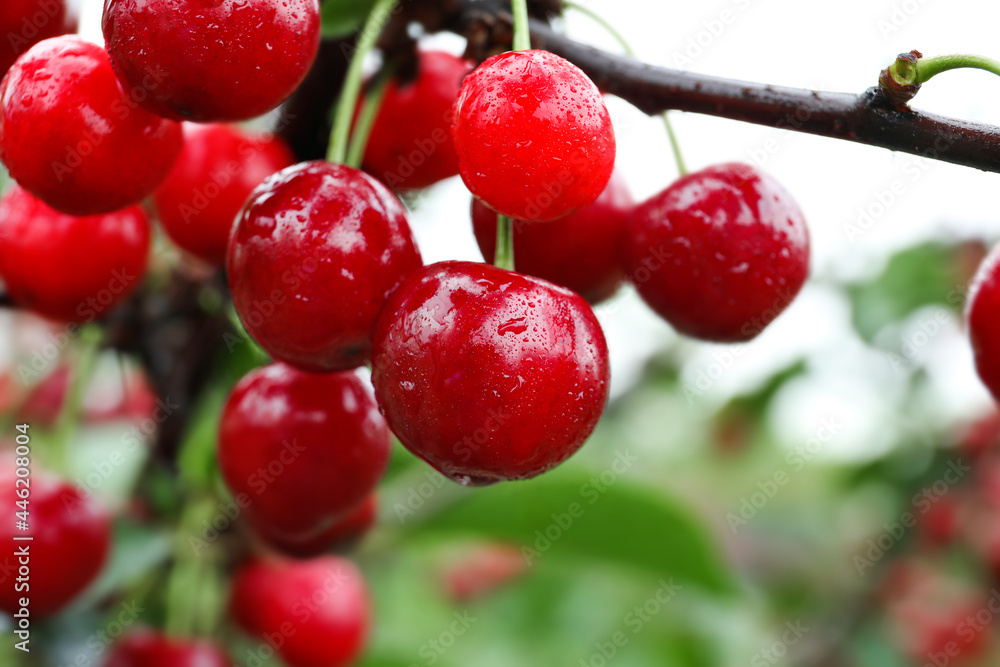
{"points": [[63, 520], [341, 535], [24, 23], [720, 253], [489, 375], [307, 449], [69, 268], [217, 169], [983, 313], [579, 252], [533, 136], [324, 600], [242, 60], [71, 136], [313, 256], [410, 144], [146, 648]]}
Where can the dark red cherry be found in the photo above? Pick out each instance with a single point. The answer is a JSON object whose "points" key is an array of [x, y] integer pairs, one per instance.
{"points": [[533, 136], [342, 534], [70, 268], [218, 60], [410, 144], [71, 535], [218, 168], [147, 648], [305, 449], [319, 608], [579, 251], [315, 253], [489, 375], [983, 312], [24, 23], [720, 253], [71, 136]]}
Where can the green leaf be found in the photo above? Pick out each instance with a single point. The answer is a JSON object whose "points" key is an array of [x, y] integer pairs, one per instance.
{"points": [[567, 513], [342, 17]]}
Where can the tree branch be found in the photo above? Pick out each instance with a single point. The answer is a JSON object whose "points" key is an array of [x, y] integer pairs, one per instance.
{"points": [[869, 118]]}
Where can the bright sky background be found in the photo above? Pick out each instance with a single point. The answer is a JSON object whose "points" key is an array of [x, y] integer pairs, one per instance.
{"points": [[826, 46]]}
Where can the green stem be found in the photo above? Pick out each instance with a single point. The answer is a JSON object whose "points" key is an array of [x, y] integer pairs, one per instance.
{"points": [[503, 257], [928, 67], [83, 367], [627, 48], [185, 589], [522, 31], [366, 118], [340, 136]]}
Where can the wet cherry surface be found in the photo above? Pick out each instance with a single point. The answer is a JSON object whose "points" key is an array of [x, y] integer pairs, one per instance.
{"points": [[217, 169], [489, 375], [24, 23], [983, 313], [320, 607], [212, 60], [306, 449], [70, 135], [720, 253], [315, 253], [66, 267], [533, 136], [579, 251]]}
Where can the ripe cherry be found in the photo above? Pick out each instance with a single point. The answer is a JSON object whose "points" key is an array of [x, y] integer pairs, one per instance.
{"points": [[63, 520], [24, 23], [533, 136], [579, 251], [71, 136], [720, 253], [315, 253], [223, 60], [305, 449], [65, 267], [410, 144], [146, 648], [124, 394], [489, 375], [318, 608], [217, 169], [342, 534], [983, 312]]}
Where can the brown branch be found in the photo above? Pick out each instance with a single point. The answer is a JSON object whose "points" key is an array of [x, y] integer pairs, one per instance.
{"points": [[869, 118]]}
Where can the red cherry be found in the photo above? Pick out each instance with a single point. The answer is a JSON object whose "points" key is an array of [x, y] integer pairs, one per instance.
{"points": [[315, 253], [533, 136], [24, 23], [223, 60], [125, 394], [65, 267], [146, 648], [314, 612], [70, 135], [720, 253], [410, 144], [489, 375], [579, 251], [63, 521], [217, 169], [983, 312], [341, 535], [306, 449], [483, 569]]}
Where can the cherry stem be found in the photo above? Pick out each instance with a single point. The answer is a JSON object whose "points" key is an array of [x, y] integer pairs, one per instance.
{"points": [[340, 136], [503, 256], [907, 72], [522, 33], [627, 48], [83, 367], [185, 589], [366, 117]]}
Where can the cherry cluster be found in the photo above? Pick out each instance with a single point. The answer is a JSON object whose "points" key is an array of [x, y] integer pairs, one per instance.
{"points": [[488, 373]]}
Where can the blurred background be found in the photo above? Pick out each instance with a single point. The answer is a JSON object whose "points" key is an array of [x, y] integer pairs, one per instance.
{"points": [[827, 494]]}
